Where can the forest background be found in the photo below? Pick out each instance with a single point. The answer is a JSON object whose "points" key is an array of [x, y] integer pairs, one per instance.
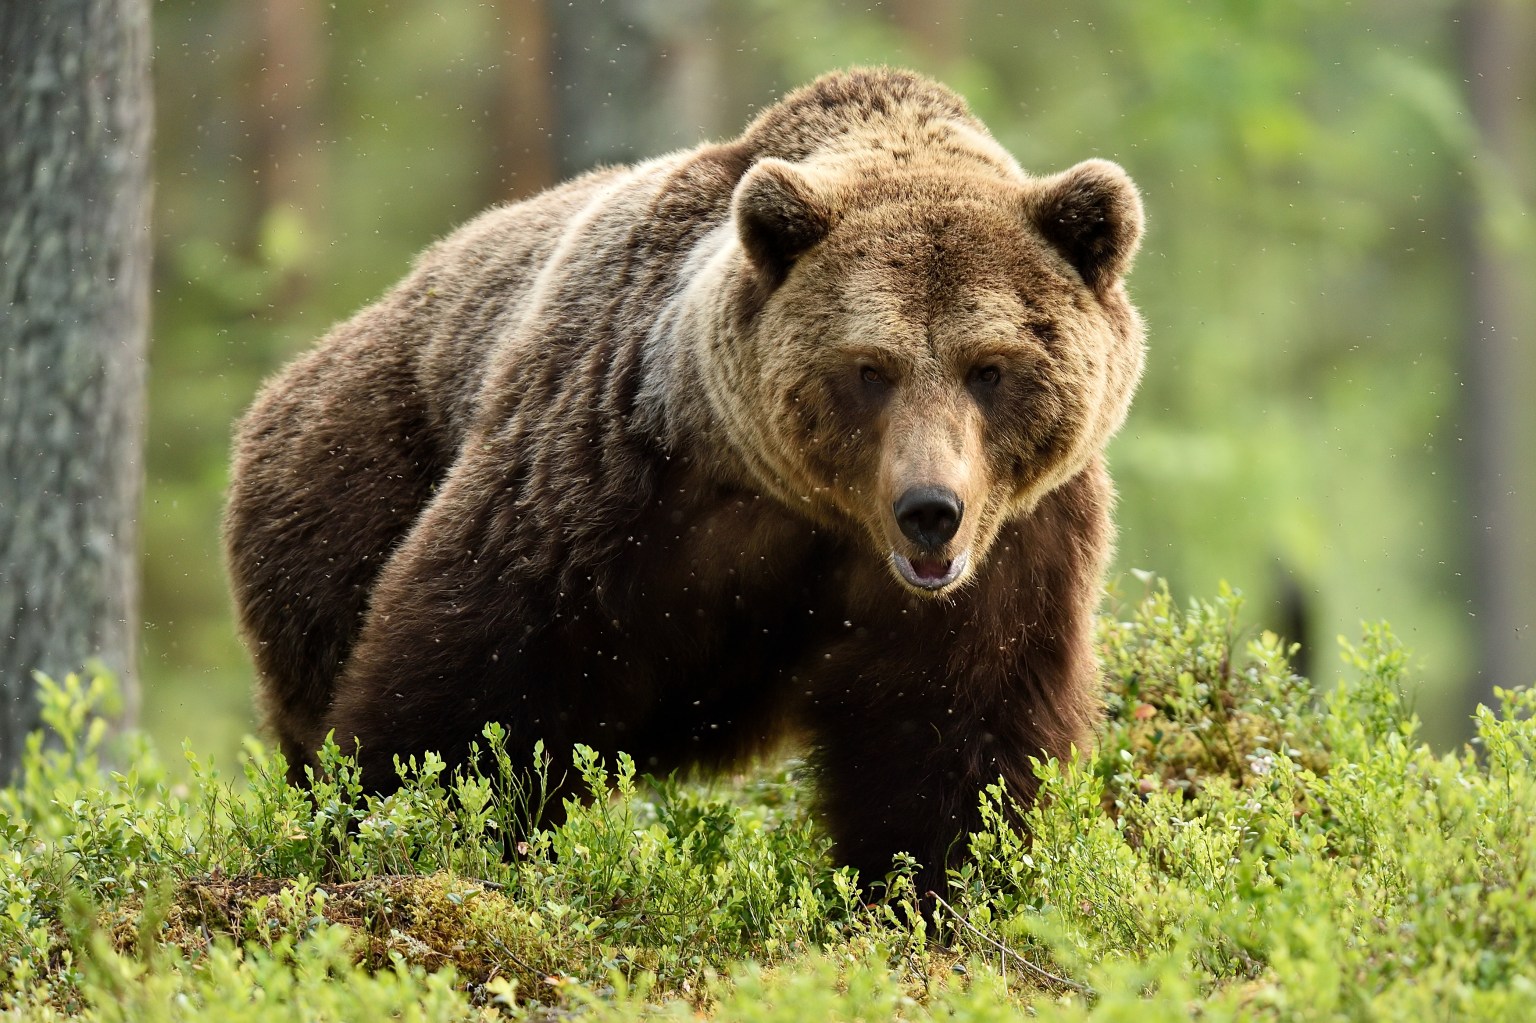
{"points": [[1335, 276]]}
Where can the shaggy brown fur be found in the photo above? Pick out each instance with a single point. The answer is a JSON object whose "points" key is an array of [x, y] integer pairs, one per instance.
{"points": [[803, 430]]}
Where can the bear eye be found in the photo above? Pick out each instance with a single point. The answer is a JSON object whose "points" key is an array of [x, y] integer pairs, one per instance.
{"points": [[987, 376], [871, 375]]}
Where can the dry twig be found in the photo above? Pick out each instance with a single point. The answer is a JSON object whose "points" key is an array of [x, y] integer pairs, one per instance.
{"points": [[1041, 972]]}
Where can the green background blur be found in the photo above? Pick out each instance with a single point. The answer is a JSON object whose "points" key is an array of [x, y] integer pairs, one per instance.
{"points": [[1319, 185]]}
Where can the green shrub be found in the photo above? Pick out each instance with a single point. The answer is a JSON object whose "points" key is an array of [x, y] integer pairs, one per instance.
{"points": [[1239, 845]]}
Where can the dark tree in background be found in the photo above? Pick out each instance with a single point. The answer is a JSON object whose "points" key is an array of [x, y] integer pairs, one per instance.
{"points": [[521, 150], [1495, 38], [631, 79], [75, 117]]}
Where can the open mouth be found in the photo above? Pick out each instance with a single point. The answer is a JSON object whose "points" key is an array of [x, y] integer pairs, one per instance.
{"points": [[929, 573]]}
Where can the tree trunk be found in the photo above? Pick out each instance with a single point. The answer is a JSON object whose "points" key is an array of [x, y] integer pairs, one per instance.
{"points": [[75, 115], [285, 109], [1494, 51], [631, 81], [522, 121], [936, 31]]}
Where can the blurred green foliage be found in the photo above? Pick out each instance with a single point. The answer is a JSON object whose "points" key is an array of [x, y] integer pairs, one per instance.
{"points": [[1308, 169]]}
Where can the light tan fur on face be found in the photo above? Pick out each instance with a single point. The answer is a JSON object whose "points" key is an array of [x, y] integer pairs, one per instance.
{"points": [[932, 437], [932, 269]]}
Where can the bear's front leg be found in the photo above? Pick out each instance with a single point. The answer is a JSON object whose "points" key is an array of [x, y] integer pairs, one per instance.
{"points": [[468, 624], [924, 716]]}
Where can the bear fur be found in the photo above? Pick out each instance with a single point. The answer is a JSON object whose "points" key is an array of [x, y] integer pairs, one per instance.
{"points": [[798, 434]]}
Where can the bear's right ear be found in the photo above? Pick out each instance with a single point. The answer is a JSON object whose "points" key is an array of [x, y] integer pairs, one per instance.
{"points": [[778, 215]]}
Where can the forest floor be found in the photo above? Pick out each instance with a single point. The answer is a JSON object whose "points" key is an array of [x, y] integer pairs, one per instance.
{"points": [[1239, 846]]}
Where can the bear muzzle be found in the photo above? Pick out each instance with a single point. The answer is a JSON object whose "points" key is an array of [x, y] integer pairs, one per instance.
{"points": [[929, 516]]}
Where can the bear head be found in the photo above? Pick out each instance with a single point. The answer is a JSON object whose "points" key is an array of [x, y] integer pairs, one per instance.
{"points": [[919, 340]]}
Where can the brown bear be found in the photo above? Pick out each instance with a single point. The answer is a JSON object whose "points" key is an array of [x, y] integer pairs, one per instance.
{"points": [[797, 434]]}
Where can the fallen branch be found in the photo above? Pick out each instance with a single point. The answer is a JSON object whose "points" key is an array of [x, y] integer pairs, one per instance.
{"points": [[1041, 972]]}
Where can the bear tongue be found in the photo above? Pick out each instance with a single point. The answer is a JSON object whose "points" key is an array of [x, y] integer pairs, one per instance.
{"points": [[930, 568]]}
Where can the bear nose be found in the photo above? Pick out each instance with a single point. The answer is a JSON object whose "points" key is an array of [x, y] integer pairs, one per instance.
{"points": [[929, 515]]}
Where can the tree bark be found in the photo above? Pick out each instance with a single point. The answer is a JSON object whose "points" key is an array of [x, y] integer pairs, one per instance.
{"points": [[286, 126], [1498, 460], [75, 124], [631, 81], [522, 122], [935, 30], [284, 111]]}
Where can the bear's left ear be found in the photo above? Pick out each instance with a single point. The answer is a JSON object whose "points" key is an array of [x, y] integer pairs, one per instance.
{"points": [[1092, 215], [778, 215]]}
